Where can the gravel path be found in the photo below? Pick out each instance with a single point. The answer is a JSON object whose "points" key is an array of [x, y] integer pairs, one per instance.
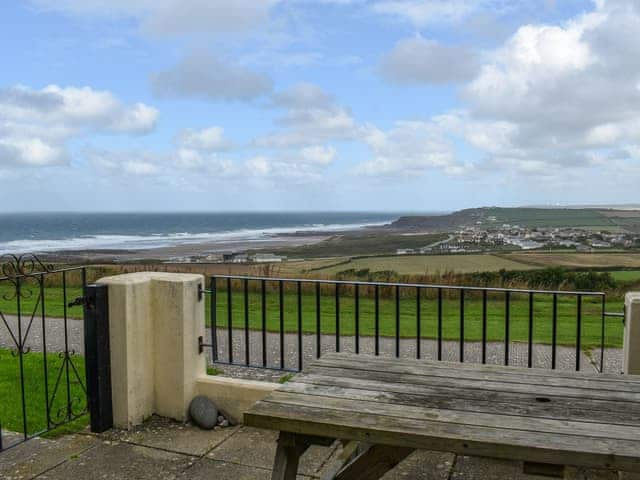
{"points": [[495, 352], [518, 352]]}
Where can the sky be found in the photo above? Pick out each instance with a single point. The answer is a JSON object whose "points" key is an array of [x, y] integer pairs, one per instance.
{"points": [[425, 105]]}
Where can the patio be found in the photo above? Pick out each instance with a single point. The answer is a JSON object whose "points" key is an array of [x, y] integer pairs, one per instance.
{"points": [[164, 449]]}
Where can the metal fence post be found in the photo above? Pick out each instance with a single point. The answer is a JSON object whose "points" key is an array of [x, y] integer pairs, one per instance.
{"points": [[97, 357]]}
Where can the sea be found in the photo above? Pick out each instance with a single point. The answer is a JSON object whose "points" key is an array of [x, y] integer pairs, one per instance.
{"points": [[47, 232]]}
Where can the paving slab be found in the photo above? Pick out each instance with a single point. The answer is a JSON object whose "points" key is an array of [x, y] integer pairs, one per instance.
{"points": [[257, 448], [423, 465], [39, 455], [477, 468], [167, 434], [207, 469], [116, 461]]}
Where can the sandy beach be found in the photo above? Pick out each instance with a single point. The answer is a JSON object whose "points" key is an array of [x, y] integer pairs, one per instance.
{"points": [[187, 250]]}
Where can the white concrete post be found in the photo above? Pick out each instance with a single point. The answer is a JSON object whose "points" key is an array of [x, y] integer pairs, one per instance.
{"points": [[631, 346], [155, 320]]}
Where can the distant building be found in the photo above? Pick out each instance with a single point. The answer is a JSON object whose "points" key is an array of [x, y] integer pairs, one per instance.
{"points": [[267, 258], [405, 251], [235, 257]]}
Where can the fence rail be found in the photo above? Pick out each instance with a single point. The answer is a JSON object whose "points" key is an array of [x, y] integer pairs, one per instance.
{"points": [[279, 323]]}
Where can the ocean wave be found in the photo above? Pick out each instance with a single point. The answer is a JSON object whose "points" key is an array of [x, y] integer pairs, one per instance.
{"points": [[160, 240]]}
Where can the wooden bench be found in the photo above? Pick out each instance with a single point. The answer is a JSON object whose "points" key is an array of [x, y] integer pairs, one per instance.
{"points": [[384, 408]]}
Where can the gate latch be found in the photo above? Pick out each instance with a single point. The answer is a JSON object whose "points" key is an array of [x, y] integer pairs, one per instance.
{"points": [[79, 302]]}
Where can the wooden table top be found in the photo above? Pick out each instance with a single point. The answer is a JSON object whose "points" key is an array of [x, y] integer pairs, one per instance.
{"points": [[524, 414]]}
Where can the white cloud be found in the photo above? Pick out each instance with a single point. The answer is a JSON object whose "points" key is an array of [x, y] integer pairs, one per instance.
{"points": [[74, 108], [419, 60], [210, 139], [125, 164], [202, 162], [259, 165], [35, 125], [558, 95], [409, 148], [202, 75], [268, 169], [422, 13], [311, 117], [173, 17], [31, 152], [318, 155]]}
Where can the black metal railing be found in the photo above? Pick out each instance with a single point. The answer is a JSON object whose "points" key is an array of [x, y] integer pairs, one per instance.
{"points": [[39, 355], [280, 323]]}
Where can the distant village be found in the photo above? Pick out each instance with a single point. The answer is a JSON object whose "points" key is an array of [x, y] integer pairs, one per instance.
{"points": [[515, 237], [474, 239]]}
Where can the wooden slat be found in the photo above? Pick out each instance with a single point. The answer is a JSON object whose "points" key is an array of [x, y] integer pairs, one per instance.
{"points": [[523, 414], [478, 372], [395, 383], [357, 360], [479, 384], [464, 439], [526, 406], [493, 420]]}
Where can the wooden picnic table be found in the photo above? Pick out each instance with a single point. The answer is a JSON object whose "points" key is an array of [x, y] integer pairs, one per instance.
{"points": [[383, 408]]}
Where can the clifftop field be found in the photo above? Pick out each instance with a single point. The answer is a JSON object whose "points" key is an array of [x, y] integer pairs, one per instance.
{"points": [[429, 264], [611, 219]]}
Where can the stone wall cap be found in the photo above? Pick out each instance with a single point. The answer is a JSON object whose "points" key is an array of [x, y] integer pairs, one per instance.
{"points": [[238, 382], [632, 297], [143, 277]]}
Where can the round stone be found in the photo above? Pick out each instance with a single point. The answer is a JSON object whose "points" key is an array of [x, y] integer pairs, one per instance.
{"points": [[203, 412]]}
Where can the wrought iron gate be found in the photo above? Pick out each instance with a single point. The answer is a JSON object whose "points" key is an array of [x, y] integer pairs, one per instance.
{"points": [[42, 367]]}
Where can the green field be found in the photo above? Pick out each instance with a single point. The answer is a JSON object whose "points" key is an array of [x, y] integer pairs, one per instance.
{"points": [[450, 315], [518, 322], [34, 386], [626, 275], [576, 260], [30, 303], [369, 243], [550, 217], [429, 264]]}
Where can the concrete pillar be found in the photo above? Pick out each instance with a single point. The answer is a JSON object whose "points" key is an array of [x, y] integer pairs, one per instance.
{"points": [[631, 363], [155, 320]]}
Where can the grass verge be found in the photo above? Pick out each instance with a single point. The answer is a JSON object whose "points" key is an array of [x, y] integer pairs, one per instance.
{"points": [[11, 405], [518, 322], [406, 323]]}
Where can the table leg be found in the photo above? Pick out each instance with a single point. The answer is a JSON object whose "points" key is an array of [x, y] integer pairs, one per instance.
{"points": [[362, 461], [290, 449]]}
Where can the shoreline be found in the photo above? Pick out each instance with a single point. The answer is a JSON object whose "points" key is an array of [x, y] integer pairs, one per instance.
{"points": [[181, 251]]}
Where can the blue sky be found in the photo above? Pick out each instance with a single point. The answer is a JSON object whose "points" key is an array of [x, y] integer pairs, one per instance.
{"points": [[318, 104]]}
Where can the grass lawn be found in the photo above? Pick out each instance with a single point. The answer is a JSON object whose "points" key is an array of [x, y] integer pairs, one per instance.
{"points": [[54, 300], [518, 322], [11, 407], [625, 275]]}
